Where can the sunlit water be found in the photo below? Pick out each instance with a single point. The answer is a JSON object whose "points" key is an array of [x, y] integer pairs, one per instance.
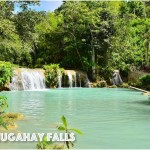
{"points": [[109, 118]]}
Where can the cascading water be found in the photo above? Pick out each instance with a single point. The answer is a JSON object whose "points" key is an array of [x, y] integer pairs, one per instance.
{"points": [[28, 79], [116, 78], [75, 79], [70, 79], [88, 82], [32, 80], [59, 80], [80, 79], [14, 85]]}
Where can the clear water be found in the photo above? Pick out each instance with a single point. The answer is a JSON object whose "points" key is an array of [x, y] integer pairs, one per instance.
{"points": [[109, 118]]}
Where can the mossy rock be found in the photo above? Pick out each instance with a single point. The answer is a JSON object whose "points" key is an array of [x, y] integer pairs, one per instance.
{"points": [[99, 84], [14, 116], [112, 86], [124, 85]]}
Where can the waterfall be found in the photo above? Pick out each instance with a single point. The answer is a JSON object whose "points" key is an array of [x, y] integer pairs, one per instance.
{"points": [[28, 79], [59, 80], [75, 79], [116, 79], [70, 79], [14, 85], [32, 80], [80, 79], [88, 82]]}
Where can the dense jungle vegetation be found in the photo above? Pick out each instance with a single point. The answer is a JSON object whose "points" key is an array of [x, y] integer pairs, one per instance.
{"points": [[95, 37]]}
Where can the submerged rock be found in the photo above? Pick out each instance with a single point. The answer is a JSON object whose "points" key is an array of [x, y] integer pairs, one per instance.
{"points": [[10, 118], [14, 116]]}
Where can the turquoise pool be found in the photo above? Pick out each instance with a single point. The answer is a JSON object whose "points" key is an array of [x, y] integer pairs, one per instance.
{"points": [[109, 118]]}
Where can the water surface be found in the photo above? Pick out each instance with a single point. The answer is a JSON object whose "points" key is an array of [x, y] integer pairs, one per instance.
{"points": [[109, 118]]}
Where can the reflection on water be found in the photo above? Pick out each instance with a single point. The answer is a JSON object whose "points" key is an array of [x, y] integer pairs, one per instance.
{"points": [[144, 102], [109, 118]]}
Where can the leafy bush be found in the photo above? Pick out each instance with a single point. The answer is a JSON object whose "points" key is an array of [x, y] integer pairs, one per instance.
{"points": [[51, 74], [144, 82], [5, 73]]}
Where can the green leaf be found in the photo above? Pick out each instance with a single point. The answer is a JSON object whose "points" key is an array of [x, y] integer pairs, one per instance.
{"points": [[76, 130], [61, 128], [2, 123], [64, 121], [4, 126]]}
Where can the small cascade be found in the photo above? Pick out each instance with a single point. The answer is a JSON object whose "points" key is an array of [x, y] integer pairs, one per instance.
{"points": [[70, 79], [80, 79], [32, 80], [59, 80], [14, 85], [28, 79], [116, 78], [88, 82], [75, 79]]}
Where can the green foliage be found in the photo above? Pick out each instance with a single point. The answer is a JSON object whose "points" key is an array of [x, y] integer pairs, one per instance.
{"points": [[64, 127], [96, 43], [17, 35], [10, 44], [145, 82], [45, 144], [3, 106], [51, 74], [127, 45], [95, 36], [5, 73], [2, 123], [124, 85], [50, 35]]}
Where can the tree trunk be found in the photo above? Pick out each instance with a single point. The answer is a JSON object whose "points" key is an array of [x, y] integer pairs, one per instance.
{"points": [[93, 66], [93, 56]]}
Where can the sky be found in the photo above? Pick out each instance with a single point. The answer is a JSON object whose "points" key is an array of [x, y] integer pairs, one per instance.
{"points": [[44, 6], [48, 5]]}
